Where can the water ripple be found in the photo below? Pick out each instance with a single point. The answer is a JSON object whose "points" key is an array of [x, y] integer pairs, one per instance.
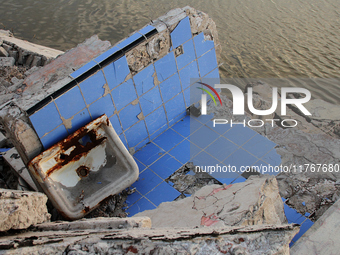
{"points": [[259, 38]]}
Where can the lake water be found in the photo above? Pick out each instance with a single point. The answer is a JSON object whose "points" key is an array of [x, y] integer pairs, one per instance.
{"points": [[259, 38]]}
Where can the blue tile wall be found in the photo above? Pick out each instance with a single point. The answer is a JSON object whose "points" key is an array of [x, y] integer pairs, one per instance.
{"points": [[83, 69], [124, 94], [46, 119], [93, 87], [181, 33], [166, 66], [79, 120], [146, 29], [221, 148], [116, 124], [258, 145], [187, 73], [150, 101], [165, 166], [162, 193], [129, 40], [54, 136], [168, 140], [102, 105], [156, 120], [188, 55], [116, 72], [136, 133], [129, 115], [176, 146], [175, 106], [144, 80], [207, 62], [70, 103], [170, 87], [201, 45], [106, 55], [143, 204]]}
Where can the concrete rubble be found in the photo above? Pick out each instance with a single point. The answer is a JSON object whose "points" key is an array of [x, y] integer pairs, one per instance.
{"points": [[323, 236], [314, 141], [19, 209], [18, 59], [243, 218], [264, 239], [250, 221], [256, 226], [254, 202], [25, 53]]}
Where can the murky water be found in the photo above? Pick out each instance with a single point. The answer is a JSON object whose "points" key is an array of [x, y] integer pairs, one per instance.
{"points": [[259, 38]]}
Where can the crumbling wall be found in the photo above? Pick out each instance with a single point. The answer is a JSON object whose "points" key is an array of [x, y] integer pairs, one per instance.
{"points": [[54, 80], [19, 130], [256, 201], [24, 53], [265, 239]]}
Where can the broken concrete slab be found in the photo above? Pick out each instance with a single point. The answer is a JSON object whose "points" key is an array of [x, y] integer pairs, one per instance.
{"points": [[313, 141], [323, 236], [13, 159], [4, 61], [20, 132], [3, 52], [256, 201], [21, 209], [264, 239], [99, 223], [55, 75], [50, 53]]}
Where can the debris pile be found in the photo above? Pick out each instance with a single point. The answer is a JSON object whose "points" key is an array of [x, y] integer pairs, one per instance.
{"points": [[314, 141], [21, 209], [253, 202]]}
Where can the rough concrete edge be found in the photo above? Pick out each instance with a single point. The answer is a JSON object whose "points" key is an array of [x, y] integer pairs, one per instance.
{"points": [[95, 223], [155, 234], [302, 241], [48, 52], [58, 241], [171, 18]]}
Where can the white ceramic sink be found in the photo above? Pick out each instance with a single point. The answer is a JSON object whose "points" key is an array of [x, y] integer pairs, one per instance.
{"points": [[85, 168]]}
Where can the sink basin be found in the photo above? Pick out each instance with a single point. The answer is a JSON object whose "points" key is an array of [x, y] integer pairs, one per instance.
{"points": [[88, 166]]}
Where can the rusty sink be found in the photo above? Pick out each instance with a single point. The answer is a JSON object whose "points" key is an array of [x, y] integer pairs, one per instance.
{"points": [[83, 169]]}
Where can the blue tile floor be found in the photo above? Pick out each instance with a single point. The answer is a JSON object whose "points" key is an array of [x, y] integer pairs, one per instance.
{"points": [[196, 140]]}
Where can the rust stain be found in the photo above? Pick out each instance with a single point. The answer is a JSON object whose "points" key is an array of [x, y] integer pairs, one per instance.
{"points": [[132, 249], [83, 171], [79, 150], [86, 209]]}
